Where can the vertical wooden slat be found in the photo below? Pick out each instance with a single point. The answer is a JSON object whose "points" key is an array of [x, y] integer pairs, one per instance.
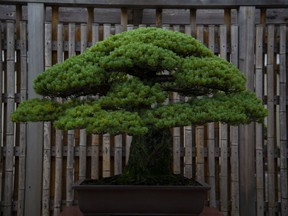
{"points": [[47, 132], [200, 173], [247, 133], [10, 94], [127, 147], [176, 141], [259, 89], [118, 28], [271, 120], [95, 152], [193, 21], [82, 154], [158, 20], [106, 137], [95, 33], [90, 20], [58, 138], [234, 159], [223, 130], [211, 138], [283, 122], [118, 155], [188, 159], [176, 150], [23, 126], [106, 155], [84, 37], [71, 133], [176, 131], [124, 18], [83, 135], [95, 138]]}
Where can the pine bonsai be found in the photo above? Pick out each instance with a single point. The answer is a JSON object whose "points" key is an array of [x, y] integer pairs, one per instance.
{"points": [[128, 78]]}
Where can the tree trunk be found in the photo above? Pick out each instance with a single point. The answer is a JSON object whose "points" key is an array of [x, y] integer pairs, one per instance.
{"points": [[150, 154]]}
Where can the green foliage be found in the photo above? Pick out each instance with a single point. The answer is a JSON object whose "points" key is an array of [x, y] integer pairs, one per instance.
{"points": [[132, 74], [37, 110], [206, 75]]}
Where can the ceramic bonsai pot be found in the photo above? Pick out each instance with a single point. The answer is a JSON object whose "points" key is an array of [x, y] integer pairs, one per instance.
{"points": [[107, 200]]}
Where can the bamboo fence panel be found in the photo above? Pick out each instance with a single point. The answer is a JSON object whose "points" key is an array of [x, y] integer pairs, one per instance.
{"points": [[200, 148], [124, 18], [259, 90], [95, 157], [283, 122], [128, 141], [211, 137], [188, 158], [83, 135], [58, 138], [177, 130], [106, 154], [47, 132], [206, 154], [9, 135], [71, 133], [23, 126], [176, 145], [118, 154], [106, 137], [95, 140], [223, 137], [188, 130], [118, 140], [128, 138], [271, 120], [234, 135]]}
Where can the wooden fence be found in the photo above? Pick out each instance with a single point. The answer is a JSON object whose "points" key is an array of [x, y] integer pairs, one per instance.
{"points": [[245, 166]]}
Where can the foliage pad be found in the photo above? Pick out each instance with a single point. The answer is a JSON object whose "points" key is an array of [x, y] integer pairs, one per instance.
{"points": [[131, 74]]}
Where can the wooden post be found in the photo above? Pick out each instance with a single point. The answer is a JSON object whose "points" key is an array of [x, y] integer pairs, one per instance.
{"points": [[23, 126], [271, 136], [283, 122], [83, 135], [200, 151], [234, 135], [71, 133], [158, 17], [124, 18], [259, 89], [58, 137], [9, 135], [246, 136], [223, 133], [47, 132], [36, 17], [106, 137], [211, 138]]}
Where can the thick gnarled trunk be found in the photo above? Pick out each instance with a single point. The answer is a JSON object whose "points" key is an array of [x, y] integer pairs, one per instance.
{"points": [[150, 154]]}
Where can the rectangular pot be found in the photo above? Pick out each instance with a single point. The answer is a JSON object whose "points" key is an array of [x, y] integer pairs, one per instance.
{"points": [[140, 200]]}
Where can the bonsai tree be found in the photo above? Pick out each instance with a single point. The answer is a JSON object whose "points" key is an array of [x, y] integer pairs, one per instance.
{"points": [[127, 79]]}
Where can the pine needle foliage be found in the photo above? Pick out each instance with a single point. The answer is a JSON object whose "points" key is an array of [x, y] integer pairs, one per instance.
{"points": [[132, 74]]}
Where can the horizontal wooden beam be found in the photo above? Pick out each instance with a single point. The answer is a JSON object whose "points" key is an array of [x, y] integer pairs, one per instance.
{"points": [[157, 3]]}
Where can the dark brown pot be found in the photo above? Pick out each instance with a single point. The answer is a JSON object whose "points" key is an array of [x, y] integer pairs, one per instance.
{"points": [[107, 200]]}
